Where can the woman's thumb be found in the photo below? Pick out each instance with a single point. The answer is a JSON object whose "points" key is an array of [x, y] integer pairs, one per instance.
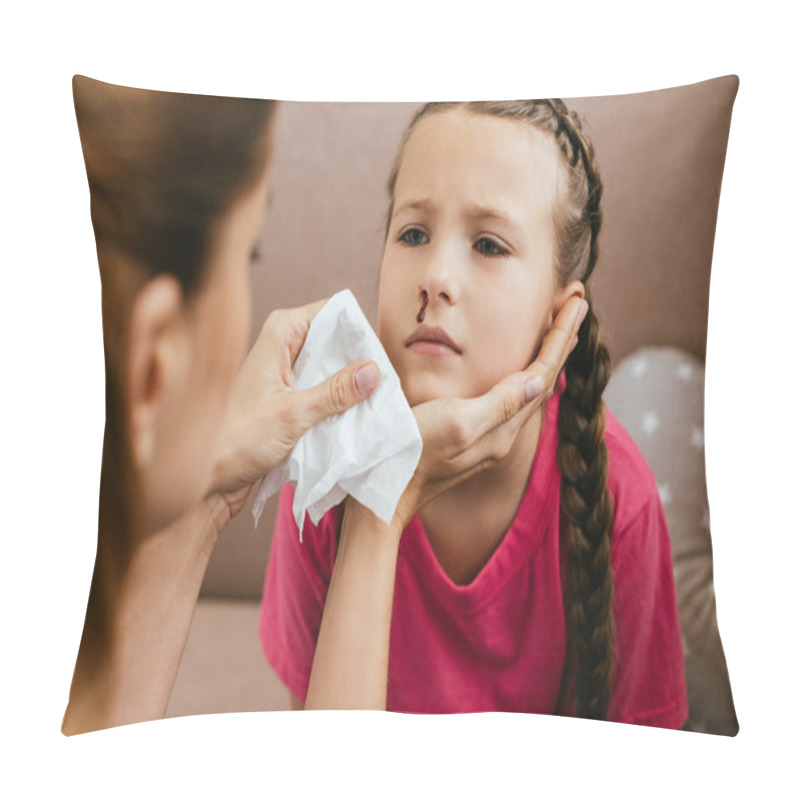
{"points": [[341, 391]]}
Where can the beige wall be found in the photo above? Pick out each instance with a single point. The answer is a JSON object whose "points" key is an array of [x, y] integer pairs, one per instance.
{"points": [[661, 156]]}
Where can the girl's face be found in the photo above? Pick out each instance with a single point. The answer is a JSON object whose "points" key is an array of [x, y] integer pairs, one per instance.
{"points": [[472, 226]]}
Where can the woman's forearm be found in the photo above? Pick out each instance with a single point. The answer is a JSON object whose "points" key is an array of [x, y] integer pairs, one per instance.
{"points": [[129, 677], [351, 661]]}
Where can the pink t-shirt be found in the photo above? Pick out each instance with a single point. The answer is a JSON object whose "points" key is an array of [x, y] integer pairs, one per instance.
{"points": [[498, 643]]}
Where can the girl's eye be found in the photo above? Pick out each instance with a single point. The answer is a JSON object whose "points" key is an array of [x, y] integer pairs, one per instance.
{"points": [[413, 237], [489, 247]]}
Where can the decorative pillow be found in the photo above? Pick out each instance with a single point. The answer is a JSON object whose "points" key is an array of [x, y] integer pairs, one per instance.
{"points": [[661, 155], [657, 394]]}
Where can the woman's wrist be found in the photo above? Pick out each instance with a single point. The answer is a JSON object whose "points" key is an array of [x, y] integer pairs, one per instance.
{"points": [[408, 505], [358, 520], [216, 511]]}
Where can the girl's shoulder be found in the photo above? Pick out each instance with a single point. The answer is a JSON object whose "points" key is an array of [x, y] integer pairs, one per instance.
{"points": [[630, 478]]}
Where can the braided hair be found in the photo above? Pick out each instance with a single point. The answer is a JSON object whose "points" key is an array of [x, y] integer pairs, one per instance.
{"points": [[582, 456]]}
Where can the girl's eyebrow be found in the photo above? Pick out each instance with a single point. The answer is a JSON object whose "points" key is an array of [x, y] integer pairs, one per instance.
{"points": [[479, 212], [474, 211], [485, 212], [420, 205]]}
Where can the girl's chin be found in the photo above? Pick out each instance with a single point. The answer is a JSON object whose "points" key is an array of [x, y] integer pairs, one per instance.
{"points": [[423, 391], [422, 387]]}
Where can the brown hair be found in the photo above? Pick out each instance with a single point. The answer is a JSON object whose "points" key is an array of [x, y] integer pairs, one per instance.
{"points": [[163, 168], [586, 504]]}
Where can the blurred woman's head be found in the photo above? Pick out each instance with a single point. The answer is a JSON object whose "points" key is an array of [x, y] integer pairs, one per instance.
{"points": [[178, 187]]}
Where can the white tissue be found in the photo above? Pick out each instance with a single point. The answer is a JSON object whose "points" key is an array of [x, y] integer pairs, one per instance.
{"points": [[371, 450]]}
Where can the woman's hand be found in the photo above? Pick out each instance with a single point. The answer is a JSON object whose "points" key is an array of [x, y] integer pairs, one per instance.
{"points": [[266, 416], [463, 436]]}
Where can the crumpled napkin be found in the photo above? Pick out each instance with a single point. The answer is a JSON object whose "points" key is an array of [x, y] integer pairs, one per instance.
{"points": [[371, 450]]}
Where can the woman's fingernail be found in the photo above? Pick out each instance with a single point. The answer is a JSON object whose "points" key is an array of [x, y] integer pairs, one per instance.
{"points": [[533, 388], [574, 342], [583, 313], [366, 378]]}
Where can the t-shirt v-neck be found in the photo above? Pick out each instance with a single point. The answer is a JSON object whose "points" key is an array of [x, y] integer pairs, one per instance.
{"points": [[519, 543]]}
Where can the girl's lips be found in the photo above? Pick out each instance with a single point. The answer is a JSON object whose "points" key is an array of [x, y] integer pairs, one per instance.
{"points": [[432, 341]]}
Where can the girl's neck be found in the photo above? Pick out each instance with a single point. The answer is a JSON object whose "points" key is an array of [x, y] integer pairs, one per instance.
{"points": [[465, 524]]}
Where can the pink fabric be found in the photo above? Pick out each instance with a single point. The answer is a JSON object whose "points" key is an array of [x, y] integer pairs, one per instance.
{"points": [[498, 644]]}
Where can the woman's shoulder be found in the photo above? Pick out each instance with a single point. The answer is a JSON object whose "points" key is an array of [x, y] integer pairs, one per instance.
{"points": [[630, 478]]}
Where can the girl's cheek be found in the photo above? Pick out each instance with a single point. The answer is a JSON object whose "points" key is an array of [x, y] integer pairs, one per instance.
{"points": [[383, 324]]}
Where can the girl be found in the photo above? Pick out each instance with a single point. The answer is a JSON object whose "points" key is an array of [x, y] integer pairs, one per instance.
{"points": [[541, 582]]}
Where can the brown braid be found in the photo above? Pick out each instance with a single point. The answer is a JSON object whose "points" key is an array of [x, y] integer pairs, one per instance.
{"points": [[586, 508], [586, 504]]}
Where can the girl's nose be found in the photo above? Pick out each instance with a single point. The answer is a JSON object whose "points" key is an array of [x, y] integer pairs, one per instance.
{"points": [[439, 292], [438, 286]]}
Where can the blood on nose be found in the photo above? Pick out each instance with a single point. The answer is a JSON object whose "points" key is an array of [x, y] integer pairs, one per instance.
{"points": [[421, 315]]}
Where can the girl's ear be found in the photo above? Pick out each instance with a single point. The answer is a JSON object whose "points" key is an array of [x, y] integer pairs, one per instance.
{"points": [[574, 289], [156, 360]]}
